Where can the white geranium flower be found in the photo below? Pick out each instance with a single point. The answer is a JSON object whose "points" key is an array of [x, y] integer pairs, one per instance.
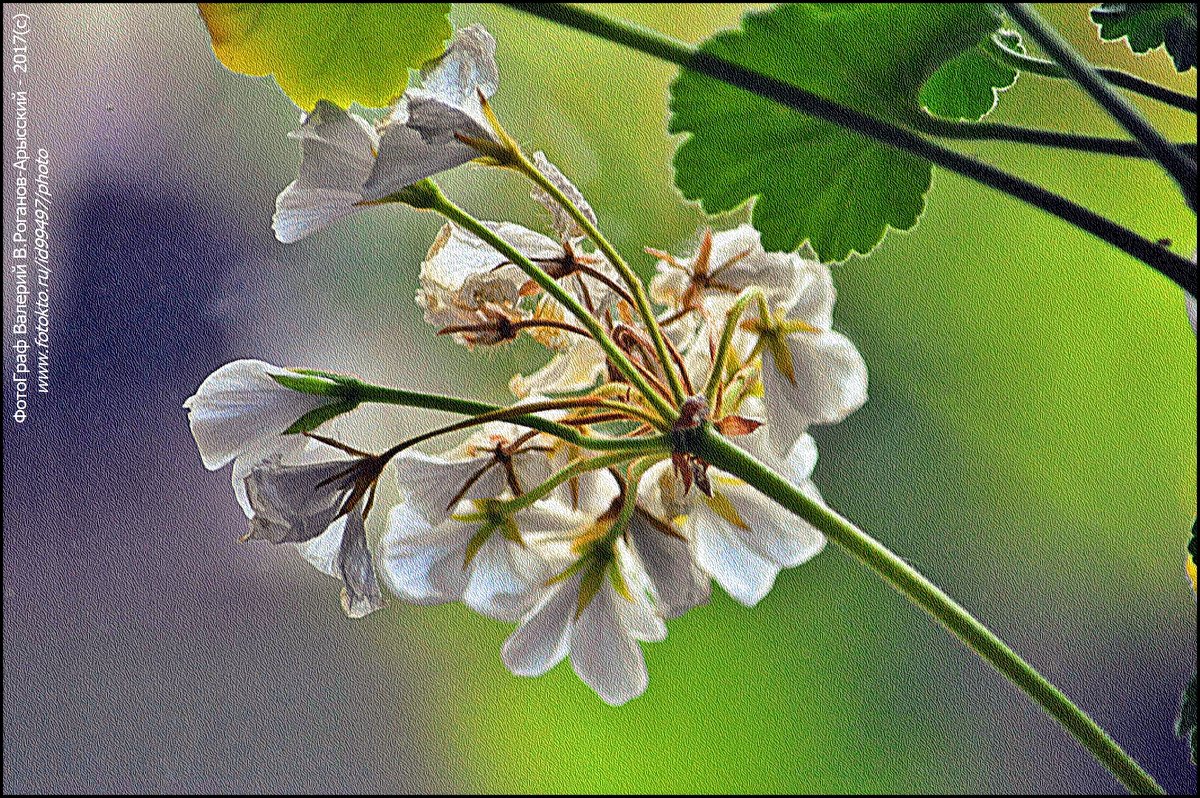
{"points": [[418, 139], [319, 505], [597, 610], [241, 405], [740, 537], [725, 264], [483, 557], [496, 459], [338, 153], [810, 374], [457, 258], [470, 290]]}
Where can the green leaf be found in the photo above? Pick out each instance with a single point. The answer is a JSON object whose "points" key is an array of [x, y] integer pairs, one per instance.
{"points": [[1149, 26], [968, 87], [342, 52], [813, 180]]}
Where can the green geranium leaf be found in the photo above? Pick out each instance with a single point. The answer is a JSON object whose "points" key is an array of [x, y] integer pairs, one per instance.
{"points": [[968, 87], [1149, 26], [342, 52], [813, 180]]}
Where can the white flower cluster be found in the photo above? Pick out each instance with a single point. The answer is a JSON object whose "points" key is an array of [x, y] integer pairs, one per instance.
{"points": [[589, 552]]}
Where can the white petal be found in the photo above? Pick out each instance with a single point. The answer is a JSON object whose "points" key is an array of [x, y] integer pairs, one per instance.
{"points": [[668, 284], [419, 139], [544, 636], [1190, 302], [770, 531], [603, 653], [507, 579], [638, 616], [575, 369], [239, 405], [295, 503], [801, 459], [467, 67], [338, 153], [360, 587], [322, 551], [421, 564], [815, 295], [830, 384], [742, 573], [429, 483], [281, 448], [457, 255], [678, 584], [738, 261]]}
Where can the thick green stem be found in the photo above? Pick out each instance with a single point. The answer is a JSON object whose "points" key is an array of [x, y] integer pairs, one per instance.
{"points": [[722, 454], [1178, 269], [363, 392], [627, 274], [444, 206], [1176, 164], [994, 131], [1124, 80]]}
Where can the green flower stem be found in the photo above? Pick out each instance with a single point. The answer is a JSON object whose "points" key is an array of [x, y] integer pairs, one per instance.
{"points": [[1124, 80], [1178, 269], [629, 505], [575, 469], [627, 274], [722, 454], [364, 392], [992, 131], [445, 207], [500, 414], [731, 321], [1178, 165]]}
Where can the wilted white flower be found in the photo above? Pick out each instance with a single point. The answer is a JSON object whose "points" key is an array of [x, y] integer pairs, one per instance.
{"points": [[337, 155], [420, 136], [319, 504], [242, 405], [597, 610]]}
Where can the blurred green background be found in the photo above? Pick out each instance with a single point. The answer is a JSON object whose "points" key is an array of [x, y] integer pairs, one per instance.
{"points": [[1029, 445]]}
